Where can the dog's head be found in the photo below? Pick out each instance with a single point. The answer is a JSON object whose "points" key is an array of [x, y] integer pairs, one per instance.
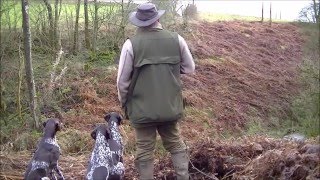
{"points": [[113, 116], [52, 125], [102, 128]]}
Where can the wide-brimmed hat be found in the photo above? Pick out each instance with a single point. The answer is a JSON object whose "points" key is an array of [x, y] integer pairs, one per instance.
{"points": [[145, 15]]}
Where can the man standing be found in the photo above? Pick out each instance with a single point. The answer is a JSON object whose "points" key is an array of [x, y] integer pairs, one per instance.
{"points": [[149, 88]]}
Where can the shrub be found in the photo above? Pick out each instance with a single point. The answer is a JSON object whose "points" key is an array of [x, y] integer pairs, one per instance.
{"points": [[191, 11], [74, 141]]}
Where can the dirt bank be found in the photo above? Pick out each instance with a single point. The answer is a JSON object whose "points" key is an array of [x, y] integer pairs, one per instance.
{"points": [[244, 69]]}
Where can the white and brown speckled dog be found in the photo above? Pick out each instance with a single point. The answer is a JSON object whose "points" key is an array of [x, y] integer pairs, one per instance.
{"points": [[45, 158], [106, 159]]}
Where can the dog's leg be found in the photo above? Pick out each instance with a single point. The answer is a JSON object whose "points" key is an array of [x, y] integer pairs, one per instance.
{"points": [[26, 174], [116, 148], [51, 175], [58, 171]]}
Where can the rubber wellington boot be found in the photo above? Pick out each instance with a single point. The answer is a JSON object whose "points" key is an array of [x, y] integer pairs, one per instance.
{"points": [[145, 169], [180, 162]]}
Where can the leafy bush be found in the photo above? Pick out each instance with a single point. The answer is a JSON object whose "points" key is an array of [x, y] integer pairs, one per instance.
{"points": [[27, 141], [191, 11], [306, 106], [74, 141], [101, 58]]}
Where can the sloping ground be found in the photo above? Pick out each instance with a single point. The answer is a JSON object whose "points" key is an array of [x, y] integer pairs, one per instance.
{"points": [[92, 95], [250, 69], [244, 70]]}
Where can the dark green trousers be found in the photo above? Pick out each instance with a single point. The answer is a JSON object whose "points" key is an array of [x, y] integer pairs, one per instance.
{"points": [[146, 139]]}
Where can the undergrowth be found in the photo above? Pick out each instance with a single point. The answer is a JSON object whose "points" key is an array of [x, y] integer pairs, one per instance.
{"points": [[305, 107]]}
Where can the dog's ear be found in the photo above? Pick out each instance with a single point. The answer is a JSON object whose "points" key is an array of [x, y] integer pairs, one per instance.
{"points": [[44, 124], [119, 117], [108, 133], [107, 117], [58, 126], [94, 134]]}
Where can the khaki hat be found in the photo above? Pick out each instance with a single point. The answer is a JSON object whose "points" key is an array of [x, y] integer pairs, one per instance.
{"points": [[145, 15]]}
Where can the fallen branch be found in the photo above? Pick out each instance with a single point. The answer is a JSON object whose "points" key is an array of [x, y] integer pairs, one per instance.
{"points": [[211, 177]]}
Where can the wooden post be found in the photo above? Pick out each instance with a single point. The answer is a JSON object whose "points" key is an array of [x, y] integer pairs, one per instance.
{"points": [[262, 13], [270, 14], [316, 12]]}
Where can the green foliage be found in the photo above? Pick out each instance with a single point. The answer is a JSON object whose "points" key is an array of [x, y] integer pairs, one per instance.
{"points": [[74, 141], [100, 59], [14, 134], [226, 17], [8, 127], [11, 125], [12, 16], [129, 142], [191, 11], [306, 106], [26, 141], [130, 147], [199, 114], [254, 127], [211, 17]]}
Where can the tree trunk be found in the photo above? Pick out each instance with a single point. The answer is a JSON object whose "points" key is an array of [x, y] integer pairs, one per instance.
{"points": [[1, 54], [28, 64], [76, 30], [316, 10], [51, 22], [262, 13], [123, 16], [95, 26], [319, 25], [56, 19], [86, 24], [270, 21], [19, 106]]}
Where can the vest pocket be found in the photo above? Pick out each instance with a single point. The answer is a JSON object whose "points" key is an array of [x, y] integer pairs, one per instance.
{"points": [[157, 94]]}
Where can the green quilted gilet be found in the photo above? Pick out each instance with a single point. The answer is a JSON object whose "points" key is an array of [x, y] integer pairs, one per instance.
{"points": [[156, 88]]}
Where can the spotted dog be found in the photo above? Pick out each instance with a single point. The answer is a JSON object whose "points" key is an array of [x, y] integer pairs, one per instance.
{"points": [[115, 143], [106, 159], [45, 158]]}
